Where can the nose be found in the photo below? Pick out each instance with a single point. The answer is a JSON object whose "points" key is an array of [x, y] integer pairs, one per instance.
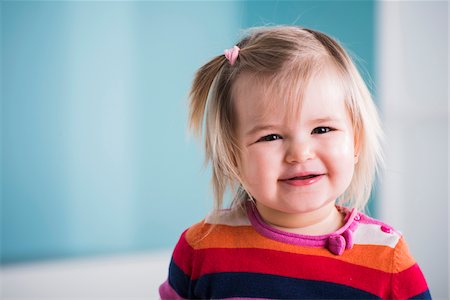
{"points": [[299, 152]]}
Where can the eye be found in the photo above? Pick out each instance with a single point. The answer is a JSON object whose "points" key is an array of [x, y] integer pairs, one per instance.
{"points": [[322, 130], [270, 137]]}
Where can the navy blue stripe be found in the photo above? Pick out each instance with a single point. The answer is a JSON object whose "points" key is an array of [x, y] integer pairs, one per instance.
{"points": [[179, 281], [255, 285], [424, 295]]}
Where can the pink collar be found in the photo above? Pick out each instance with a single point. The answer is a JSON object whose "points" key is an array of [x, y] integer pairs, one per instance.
{"points": [[336, 242]]}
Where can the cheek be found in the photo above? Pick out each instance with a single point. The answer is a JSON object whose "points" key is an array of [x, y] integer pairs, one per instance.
{"points": [[341, 154], [258, 165], [346, 145]]}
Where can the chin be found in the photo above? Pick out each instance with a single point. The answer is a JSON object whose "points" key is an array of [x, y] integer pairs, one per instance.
{"points": [[309, 206]]}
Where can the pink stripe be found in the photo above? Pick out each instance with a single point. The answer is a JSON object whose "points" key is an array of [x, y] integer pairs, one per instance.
{"points": [[167, 292], [368, 220], [248, 298]]}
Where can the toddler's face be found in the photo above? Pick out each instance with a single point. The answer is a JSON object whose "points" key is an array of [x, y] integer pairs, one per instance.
{"points": [[298, 164]]}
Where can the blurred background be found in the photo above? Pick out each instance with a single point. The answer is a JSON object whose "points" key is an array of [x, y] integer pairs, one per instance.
{"points": [[99, 176]]}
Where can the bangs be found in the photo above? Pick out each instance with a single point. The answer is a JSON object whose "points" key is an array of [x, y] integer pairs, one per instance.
{"points": [[284, 91]]}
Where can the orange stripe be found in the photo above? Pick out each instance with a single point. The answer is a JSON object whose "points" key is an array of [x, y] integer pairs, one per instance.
{"points": [[203, 236], [403, 258]]}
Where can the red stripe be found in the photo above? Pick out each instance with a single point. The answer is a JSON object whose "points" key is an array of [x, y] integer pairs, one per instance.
{"points": [[182, 255], [309, 267], [409, 283]]}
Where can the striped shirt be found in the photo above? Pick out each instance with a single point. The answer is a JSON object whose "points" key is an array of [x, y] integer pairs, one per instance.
{"points": [[235, 254]]}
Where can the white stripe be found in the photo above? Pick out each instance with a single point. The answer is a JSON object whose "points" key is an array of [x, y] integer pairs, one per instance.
{"points": [[371, 234], [234, 217]]}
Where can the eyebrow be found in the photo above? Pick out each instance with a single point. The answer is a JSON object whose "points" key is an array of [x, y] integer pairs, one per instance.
{"points": [[326, 119], [261, 128]]}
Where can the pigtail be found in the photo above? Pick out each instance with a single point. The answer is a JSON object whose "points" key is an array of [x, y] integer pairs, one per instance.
{"points": [[201, 87], [208, 92]]}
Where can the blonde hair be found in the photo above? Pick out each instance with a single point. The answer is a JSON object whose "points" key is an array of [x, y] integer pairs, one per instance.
{"points": [[288, 56]]}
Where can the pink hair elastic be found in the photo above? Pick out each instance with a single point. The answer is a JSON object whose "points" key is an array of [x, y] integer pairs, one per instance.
{"points": [[232, 54]]}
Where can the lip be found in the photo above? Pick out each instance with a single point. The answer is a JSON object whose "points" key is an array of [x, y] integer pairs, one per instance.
{"points": [[303, 182]]}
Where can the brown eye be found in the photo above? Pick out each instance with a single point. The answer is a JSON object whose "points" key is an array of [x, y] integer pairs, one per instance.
{"points": [[270, 137], [321, 130]]}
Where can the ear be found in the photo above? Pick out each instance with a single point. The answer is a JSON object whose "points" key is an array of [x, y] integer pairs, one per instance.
{"points": [[356, 148]]}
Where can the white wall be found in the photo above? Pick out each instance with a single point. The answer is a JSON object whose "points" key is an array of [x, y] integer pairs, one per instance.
{"points": [[412, 87], [134, 277]]}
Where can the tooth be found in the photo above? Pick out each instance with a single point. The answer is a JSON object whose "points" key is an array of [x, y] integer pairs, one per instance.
{"points": [[304, 177]]}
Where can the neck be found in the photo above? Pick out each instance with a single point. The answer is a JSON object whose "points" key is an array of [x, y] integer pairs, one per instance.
{"points": [[324, 220]]}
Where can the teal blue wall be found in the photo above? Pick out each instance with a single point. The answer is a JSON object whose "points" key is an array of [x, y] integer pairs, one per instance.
{"points": [[352, 23], [95, 154]]}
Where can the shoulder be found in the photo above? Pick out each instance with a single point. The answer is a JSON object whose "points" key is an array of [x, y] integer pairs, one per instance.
{"points": [[384, 240], [229, 217], [383, 243], [387, 247], [390, 246], [370, 231], [217, 227]]}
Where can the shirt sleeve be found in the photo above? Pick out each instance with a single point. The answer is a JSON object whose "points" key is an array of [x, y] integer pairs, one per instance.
{"points": [[408, 281], [178, 284]]}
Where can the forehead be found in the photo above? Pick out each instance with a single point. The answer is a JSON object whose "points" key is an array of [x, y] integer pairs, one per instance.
{"points": [[259, 99]]}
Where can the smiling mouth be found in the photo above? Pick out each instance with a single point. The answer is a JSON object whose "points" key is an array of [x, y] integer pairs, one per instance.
{"points": [[305, 180], [304, 177]]}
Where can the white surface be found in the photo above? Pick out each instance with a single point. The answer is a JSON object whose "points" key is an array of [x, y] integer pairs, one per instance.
{"points": [[121, 277], [373, 234], [413, 77]]}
